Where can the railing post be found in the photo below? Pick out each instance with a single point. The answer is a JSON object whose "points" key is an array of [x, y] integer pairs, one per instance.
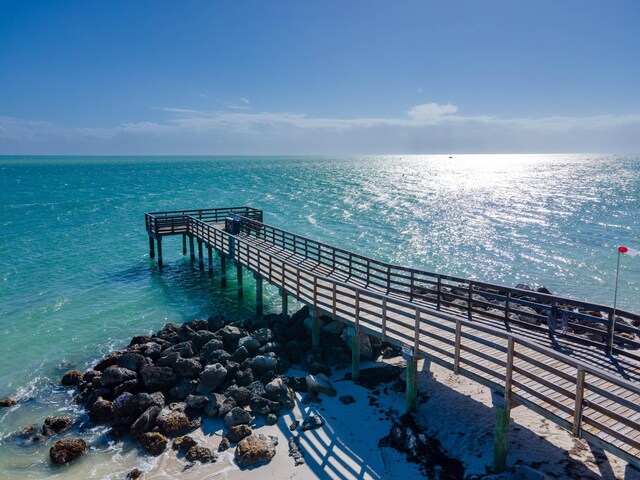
{"points": [[159, 240], [192, 249], [577, 412], [184, 244], [384, 319], [456, 355], [416, 339], [503, 413], [507, 307], [439, 294], [335, 300], [285, 303], [470, 301], [412, 369], [315, 321], [411, 286], [610, 333], [258, 278], [223, 269], [200, 255], [239, 277], [210, 256]]}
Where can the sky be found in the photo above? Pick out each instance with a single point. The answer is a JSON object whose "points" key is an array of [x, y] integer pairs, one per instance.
{"points": [[315, 77]]}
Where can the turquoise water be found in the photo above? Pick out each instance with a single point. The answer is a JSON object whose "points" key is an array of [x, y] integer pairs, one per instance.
{"points": [[77, 280]]}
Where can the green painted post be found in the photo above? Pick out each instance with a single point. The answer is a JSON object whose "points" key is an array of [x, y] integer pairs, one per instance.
{"points": [[258, 295], [315, 328], [239, 275], [160, 252], [152, 251], [285, 304], [355, 357], [184, 243], [501, 441], [223, 269], [412, 383], [200, 255], [191, 249]]}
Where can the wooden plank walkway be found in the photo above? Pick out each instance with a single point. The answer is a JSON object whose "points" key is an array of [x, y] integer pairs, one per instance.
{"points": [[575, 384]]}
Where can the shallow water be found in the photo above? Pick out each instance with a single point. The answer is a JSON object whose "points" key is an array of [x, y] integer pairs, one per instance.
{"points": [[77, 280]]}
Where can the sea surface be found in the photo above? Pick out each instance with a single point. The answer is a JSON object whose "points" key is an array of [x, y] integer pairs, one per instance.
{"points": [[77, 280]]}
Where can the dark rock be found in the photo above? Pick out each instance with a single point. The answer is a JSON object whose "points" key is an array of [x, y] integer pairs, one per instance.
{"points": [[201, 454], [139, 340], [261, 364], [197, 325], [146, 400], [238, 432], [300, 315], [230, 336], [215, 323], [295, 451], [347, 399], [544, 290], [244, 377], [263, 335], [256, 388], [101, 410], [373, 377], [294, 426], [157, 379], [241, 395], [185, 349], [215, 401], [72, 377], [224, 444], [153, 442], [197, 403], [255, 449], [25, 432], [298, 384], [201, 338], [237, 416], [134, 474], [173, 423], [132, 361], [150, 350], [391, 351], [320, 384], [168, 360], [271, 419], [278, 391], [130, 386], [56, 425], [211, 378], [7, 402], [263, 405], [125, 409], [183, 444], [65, 451], [112, 376], [181, 390], [249, 343], [311, 423], [107, 361], [240, 354], [228, 405], [271, 347], [89, 375], [145, 422]]}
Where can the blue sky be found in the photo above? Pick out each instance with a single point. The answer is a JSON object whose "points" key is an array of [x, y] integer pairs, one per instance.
{"points": [[319, 77]]}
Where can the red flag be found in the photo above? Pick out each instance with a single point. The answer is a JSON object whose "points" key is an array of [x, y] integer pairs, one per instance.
{"points": [[628, 251]]}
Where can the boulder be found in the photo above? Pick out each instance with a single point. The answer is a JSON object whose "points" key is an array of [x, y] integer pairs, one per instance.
{"points": [[200, 454], [130, 386], [134, 474], [185, 349], [132, 361], [197, 403], [230, 336], [334, 328], [295, 451], [71, 378], [241, 395], [101, 410], [146, 400], [215, 402], [153, 442], [240, 354], [112, 376], [263, 405], [145, 422], [224, 444], [89, 375], [173, 423], [238, 432], [201, 338], [210, 347], [197, 325], [320, 384], [261, 364], [271, 419], [181, 390], [107, 361], [256, 448], [65, 451], [263, 335], [347, 399], [249, 343], [278, 391], [311, 423], [157, 379], [244, 377], [215, 323], [211, 378], [237, 416], [169, 360], [228, 405], [56, 425], [183, 444]]}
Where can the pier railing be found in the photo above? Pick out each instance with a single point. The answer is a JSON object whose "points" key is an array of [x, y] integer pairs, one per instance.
{"points": [[176, 221], [588, 401], [513, 306]]}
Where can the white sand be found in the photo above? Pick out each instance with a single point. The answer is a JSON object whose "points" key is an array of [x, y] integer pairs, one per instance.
{"points": [[458, 412]]}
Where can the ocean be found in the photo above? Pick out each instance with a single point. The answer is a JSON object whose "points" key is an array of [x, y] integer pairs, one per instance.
{"points": [[77, 280]]}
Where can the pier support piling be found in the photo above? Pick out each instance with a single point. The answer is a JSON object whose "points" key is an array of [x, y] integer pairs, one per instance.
{"points": [[285, 304], [192, 250], [355, 354], [152, 248], [501, 439], [210, 256], [315, 327], [223, 269], [160, 252], [258, 294], [412, 383], [200, 255], [239, 275], [184, 244]]}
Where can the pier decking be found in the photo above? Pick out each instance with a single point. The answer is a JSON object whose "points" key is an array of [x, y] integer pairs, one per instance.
{"points": [[496, 335]]}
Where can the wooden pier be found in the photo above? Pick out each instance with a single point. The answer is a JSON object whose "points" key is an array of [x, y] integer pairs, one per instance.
{"points": [[584, 379]]}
